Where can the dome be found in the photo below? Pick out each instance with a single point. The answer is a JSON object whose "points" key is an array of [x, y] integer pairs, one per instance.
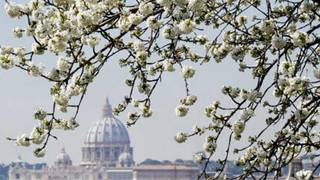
{"points": [[106, 140], [107, 130], [63, 159], [125, 159]]}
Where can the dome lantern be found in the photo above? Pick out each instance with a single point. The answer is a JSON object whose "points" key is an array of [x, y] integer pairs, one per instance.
{"points": [[107, 109]]}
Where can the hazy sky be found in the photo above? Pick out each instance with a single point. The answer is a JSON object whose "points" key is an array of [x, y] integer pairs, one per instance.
{"points": [[151, 138]]}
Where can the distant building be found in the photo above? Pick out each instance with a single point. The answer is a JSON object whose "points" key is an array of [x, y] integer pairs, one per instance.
{"points": [[3, 171], [106, 155], [165, 172]]}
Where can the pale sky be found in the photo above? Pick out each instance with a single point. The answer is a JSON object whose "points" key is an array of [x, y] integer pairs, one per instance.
{"points": [[151, 138]]}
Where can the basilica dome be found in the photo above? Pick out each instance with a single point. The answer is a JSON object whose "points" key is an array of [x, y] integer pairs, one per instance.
{"points": [[105, 140], [63, 159], [107, 130]]}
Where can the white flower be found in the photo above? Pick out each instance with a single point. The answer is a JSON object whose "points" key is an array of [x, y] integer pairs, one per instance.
{"points": [[37, 135], [238, 127], [181, 3], [71, 124], [39, 152], [135, 102], [17, 32], [189, 100], [210, 147], [135, 19], [180, 137], [37, 49], [300, 38], [268, 26], [165, 3], [142, 57], [153, 23], [199, 157], [20, 52], [186, 26], [301, 114], [169, 32], [6, 50], [253, 95], [187, 72], [13, 10], [304, 174], [6, 61], [305, 7], [23, 140], [34, 70], [138, 46], [196, 5], [238, 53], [168, 66], [92, 41], [287, 68], [63, 65], [40, 114], [246, 114], [181, 110], [278, 42], [61, 100], [146, 8]]}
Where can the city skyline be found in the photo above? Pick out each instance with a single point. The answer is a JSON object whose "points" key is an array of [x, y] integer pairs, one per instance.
{"points": [[153, 137]]}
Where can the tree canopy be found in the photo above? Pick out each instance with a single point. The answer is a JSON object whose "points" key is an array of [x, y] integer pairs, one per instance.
{"points": [[276, 42]]}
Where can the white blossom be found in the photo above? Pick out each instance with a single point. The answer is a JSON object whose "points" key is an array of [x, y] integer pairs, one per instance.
{"points": [[168, 66], [35, 70], [210, 147], [181, 137], [63, 65], [40, 114], [146, 8], [165, 3], [17, 32], [238, 127], [300, 38], [186, 26], [187, 72], [246, 114], [23, 140], [6, 61], [238, 53], [39, 152], [287, 68], [13, 10], [278, 42], [181, 110], [199, 157], [135, 19], [304, 174]]}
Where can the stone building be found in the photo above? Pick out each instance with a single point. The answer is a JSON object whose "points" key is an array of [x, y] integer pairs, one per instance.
{"points": [[106, 155]]}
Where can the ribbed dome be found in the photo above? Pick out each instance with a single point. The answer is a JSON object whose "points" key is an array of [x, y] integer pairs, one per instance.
{"points": [[63, 159], [125, 157], [108, 130], [125, 160]]}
